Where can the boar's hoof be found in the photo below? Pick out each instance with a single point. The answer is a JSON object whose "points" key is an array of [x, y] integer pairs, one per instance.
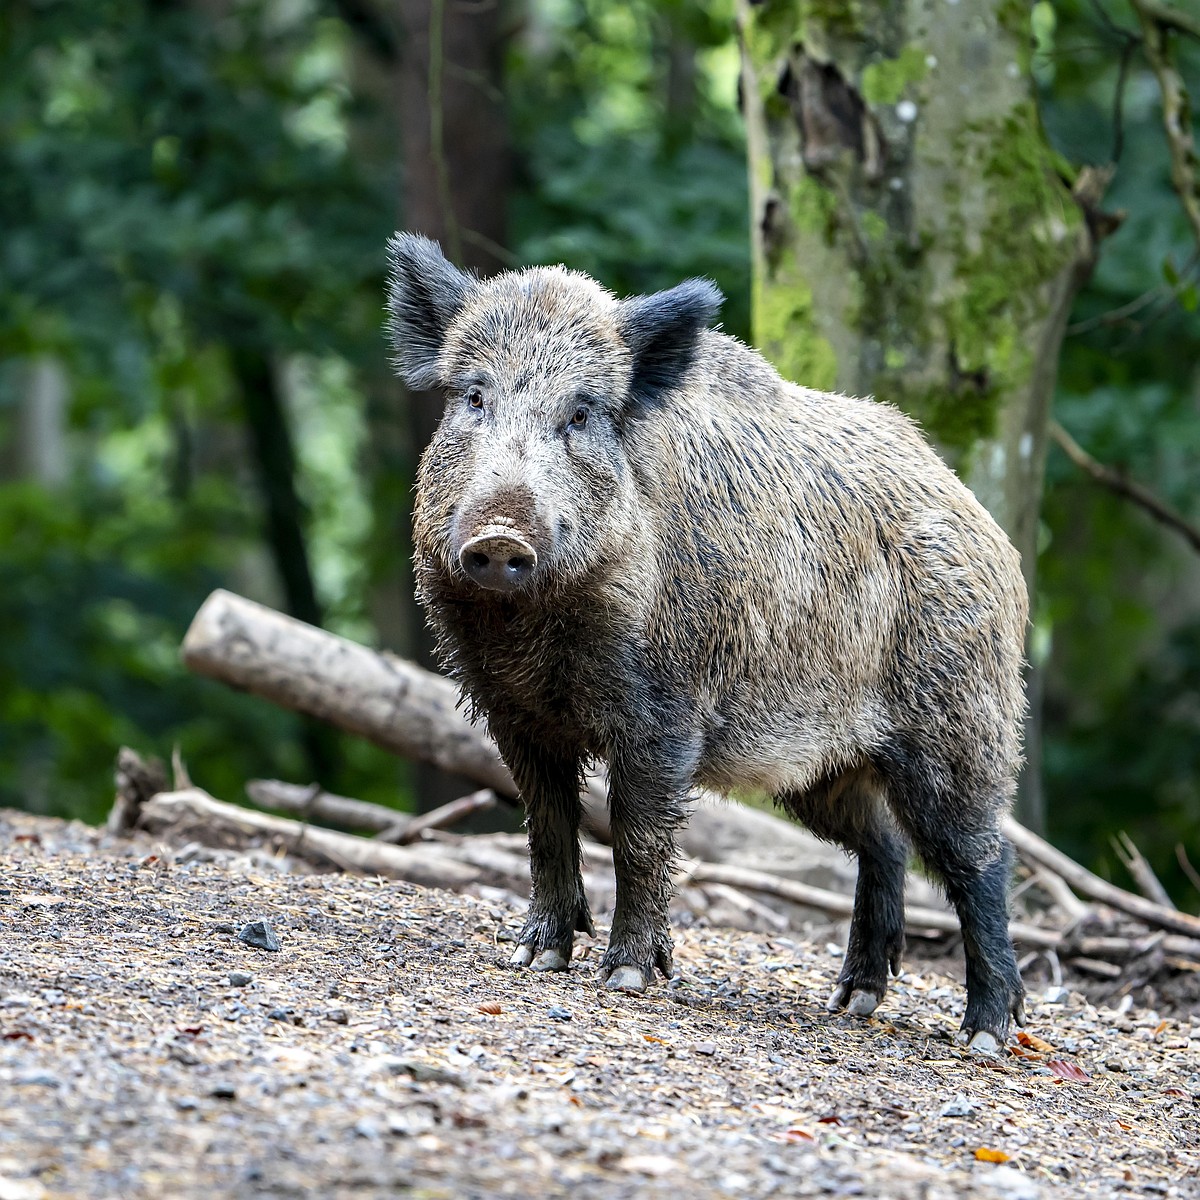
{"points": [[522, 956], [498, 560], [550, 960], [856, 1001], [626, 979], [539, 960], [981, 1042]]}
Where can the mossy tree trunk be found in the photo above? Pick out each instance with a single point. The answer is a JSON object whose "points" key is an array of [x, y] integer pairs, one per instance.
{"points": [[914, 236]]}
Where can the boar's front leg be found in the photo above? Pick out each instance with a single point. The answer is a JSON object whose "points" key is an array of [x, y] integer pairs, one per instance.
{"points": [[558, 906], [647, 802]]}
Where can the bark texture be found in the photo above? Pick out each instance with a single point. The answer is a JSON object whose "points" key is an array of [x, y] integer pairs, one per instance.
{"points": [[454, 138], [914, 237]]}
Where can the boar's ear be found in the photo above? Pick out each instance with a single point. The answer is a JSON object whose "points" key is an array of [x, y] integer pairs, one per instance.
{"points": [[661, 332], [424, 294]]}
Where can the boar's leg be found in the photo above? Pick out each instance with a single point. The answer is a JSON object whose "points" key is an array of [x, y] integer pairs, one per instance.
{"points": [[647, 803], [848, 810], [558, 904], [955, 828]]}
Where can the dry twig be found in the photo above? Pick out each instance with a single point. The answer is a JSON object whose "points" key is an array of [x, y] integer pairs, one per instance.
{"points": [[1142, 872], [1116, 482]]}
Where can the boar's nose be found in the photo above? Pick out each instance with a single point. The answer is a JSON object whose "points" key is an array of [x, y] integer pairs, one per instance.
{"points": [[499, 560]]}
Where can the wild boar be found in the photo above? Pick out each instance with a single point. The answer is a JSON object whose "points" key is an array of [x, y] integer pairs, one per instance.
{"points": [[637, 543]]}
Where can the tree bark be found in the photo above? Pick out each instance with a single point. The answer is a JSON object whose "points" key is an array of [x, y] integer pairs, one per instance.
{"points": [[274, 459], [454, 139], [913, 238]]}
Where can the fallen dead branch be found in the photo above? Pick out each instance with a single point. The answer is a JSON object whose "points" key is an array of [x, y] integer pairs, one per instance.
{"points": [[195, 815], [1140, 870], [440, 818], [310, 802], [1039, 852]]}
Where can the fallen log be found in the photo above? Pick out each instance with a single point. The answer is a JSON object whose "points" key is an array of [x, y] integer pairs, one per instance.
{"points": [[385, 699], [194, 813]]}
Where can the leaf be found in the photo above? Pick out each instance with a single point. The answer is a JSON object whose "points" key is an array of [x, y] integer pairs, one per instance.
{"points": [[1189, 298], [1160, 1027], [657, 1040], [796, 1134], [1030, 1042], [831, 1119], [994, 1156], [17, 1035], [1170, 274], [1067, 1070], [492, 1008]]}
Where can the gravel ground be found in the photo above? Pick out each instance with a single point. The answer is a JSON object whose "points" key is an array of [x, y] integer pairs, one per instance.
{"points": [[145, 1051]]}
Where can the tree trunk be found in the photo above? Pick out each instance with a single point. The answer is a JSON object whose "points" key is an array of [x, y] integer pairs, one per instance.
{"points": [[274, 460], [456, 165], [913, 238]]}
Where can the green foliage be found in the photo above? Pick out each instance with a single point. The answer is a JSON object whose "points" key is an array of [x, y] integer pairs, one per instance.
{"points": [[171, 186], [636, 177], [1118, 592]]}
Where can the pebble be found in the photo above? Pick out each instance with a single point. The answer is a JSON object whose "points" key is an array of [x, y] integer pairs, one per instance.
{"points": [[706, 1048], [338, 1016], [260, 935], [1056, 995], [38, 1079], [558, 1014], [223, 1091], [240, 978], [960, 1106], [1114, 1064]]}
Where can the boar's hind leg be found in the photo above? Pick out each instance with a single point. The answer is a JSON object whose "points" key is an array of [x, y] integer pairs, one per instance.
{"points": [[849, 810], [955, 828], [557, 905], [647, 803]]}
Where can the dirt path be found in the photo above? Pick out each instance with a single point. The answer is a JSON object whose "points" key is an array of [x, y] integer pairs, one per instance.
{"points": [[384, 1049]]}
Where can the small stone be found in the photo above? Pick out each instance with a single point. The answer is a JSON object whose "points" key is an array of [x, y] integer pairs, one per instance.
{"points": [[558, 1014], [280, 1014], [186, 1103], [960, 1106], [1055, 995], [338, 1016], [706, 1048], [38, 1079], [1114, 1064], [260, 935], [223, 1091], [240, 978], [420, 1072]]}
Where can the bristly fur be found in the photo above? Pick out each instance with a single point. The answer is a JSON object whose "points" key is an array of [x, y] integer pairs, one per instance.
{"points": [[740, 582]]}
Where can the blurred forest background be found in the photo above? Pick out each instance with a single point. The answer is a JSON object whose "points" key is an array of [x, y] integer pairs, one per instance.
{"points": [[194, 388]]}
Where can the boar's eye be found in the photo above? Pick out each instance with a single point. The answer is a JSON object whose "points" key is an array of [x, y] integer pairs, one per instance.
{"points": [[475, 397], [579, 418]]}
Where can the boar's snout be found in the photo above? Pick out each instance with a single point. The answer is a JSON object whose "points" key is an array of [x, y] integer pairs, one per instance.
{"points": [[499, 560]]}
